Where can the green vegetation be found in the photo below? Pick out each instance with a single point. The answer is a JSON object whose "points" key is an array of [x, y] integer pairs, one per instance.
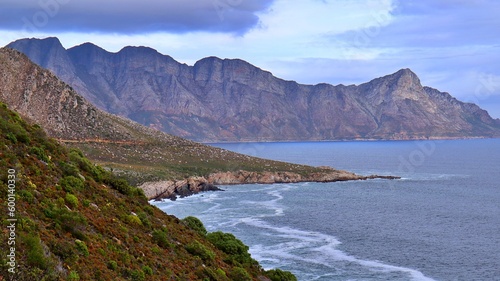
{"points": [[229, 244], [77, 221], [280, 275], [198, 249], [195, 224], [72, 200]]}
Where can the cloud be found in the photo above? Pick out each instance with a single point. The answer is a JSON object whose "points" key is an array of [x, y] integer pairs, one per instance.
{"points": [[429, 23], [131, 16]]}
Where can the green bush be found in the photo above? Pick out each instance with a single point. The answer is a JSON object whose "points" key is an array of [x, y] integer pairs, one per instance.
{"points": [[82, 247], [112, 265], [195, 224], [138, 275], [119, 184], [68, 169], [10, 136], [70, 183], [40, 153], [230, 245], [133, 219], [198, 249], [70, 221], [160, 237], [144, 219], [73, 276], [239, 274], [76, 156], [27, 196], [280, 275], [65, 250], [35, 254], [147, 270], [72, 200]]}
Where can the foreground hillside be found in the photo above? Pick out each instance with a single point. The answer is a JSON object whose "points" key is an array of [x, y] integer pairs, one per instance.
{"points": [[232, 100], [70, 220], [145, 154]]}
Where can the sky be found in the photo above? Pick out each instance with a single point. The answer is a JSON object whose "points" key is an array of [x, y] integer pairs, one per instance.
{"points": [[452, 45]]}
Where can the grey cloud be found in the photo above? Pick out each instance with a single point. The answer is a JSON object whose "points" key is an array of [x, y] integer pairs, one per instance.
{"points": [[430, 23], [132, 16]]}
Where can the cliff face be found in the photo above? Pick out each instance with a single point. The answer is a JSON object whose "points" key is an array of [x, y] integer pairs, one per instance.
{"points": [[232, 100]]}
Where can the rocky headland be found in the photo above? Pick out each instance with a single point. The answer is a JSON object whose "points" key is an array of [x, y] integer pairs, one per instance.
{"points": [[172, 189]]}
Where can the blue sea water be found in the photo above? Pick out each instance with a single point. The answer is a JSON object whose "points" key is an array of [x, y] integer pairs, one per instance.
{"points": [[440, 222]]}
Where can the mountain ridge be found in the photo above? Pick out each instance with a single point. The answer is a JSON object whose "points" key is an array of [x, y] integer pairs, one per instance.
{"points": [[232, 100]]}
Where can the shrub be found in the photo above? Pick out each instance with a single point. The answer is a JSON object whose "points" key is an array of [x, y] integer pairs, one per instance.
{"points": [[239, 274], [195, 224], [35, 255], [82, 247], [72, 200], [144, 219], [70, 183], [147, 270], [230, 245], [112, 265], [68, 169], [10, 136], [26, 195], [70, 221], [280, 275], [40, 153], [73, 276], [160, 238], [198, 249], [65, 250], [133, 219], [97, 172], [119, 184], [138, 275]]}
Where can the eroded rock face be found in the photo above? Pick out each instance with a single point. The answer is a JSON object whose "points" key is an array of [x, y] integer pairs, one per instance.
{"points": [[232, 100]]}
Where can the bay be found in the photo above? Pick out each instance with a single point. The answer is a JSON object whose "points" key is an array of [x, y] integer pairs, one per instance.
{"points": [[440, 222]]}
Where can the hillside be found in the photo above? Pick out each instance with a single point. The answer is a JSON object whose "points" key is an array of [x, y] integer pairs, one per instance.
{"points": [[71, 220], [232, 100]]}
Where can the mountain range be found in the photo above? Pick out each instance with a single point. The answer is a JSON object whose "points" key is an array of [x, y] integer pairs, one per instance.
{"points": [[231, 100]]}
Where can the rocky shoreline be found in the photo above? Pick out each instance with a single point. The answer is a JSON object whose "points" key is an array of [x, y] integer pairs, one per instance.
{"points": [[181, 188]]}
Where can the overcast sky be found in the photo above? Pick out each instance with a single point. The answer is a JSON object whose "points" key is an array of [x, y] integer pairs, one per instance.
{"points": [[452, 45]]}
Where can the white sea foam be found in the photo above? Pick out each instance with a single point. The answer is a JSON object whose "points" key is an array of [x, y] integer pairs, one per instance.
{"points": [[283, 245]]}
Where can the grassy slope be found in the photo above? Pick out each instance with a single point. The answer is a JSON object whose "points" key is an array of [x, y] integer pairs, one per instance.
{"points": [[75, 221]]}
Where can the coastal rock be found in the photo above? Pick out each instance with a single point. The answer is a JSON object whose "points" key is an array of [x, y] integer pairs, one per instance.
{"points": [[192, 185]]}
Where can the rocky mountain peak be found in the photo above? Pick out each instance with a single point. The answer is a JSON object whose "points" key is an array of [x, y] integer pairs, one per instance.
{"points": [[233, 100]]}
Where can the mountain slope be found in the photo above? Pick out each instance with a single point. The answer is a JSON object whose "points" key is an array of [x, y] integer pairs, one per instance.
{"points": [[71, 220], [232, 100]]}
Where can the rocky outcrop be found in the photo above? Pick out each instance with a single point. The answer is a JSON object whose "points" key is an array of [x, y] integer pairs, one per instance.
{"points": [[232, 100], [173, 189], [193, 185]]}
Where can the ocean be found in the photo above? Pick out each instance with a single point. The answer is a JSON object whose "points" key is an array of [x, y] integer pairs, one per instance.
{"points": [[441, 221]]}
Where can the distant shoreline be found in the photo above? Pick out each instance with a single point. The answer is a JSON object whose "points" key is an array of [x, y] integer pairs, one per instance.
{"points": [[346, 140]]}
